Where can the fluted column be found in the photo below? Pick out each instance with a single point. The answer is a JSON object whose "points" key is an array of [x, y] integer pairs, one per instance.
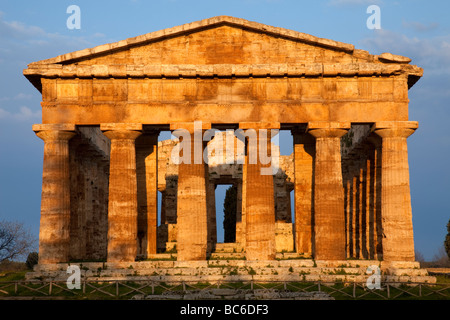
{"points": [[192, 205], [260, 202], [304, 152], [54, 233], [147, 191], [329, 217], [122, 205], [212, 223], [396, 213], [375, 195]]}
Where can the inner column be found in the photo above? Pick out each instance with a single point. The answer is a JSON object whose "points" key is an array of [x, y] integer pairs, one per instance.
{"points": [[122, 205], [260, 202], [329, 217], [192, 206], [304, 153], [147, 188]]}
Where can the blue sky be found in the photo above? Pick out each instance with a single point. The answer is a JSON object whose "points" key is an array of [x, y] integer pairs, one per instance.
{"points": [[35, 30]]}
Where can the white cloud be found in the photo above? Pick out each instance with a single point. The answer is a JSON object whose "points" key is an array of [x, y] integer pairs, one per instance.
{"points": [[23, 43], [420, 27], [432, 54], [4, 114], [24, 114], [20, 30], [22, 96]]}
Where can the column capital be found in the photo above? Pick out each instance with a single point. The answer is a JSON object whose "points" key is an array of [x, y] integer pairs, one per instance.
{"points": [[55, 132], [328, 129], [121, 131], [395, 129]]}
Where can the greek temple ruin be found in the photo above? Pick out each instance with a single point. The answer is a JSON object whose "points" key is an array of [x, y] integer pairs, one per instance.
{"points": [[104, 108]]}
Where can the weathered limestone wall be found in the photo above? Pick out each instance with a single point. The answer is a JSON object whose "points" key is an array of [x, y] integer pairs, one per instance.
{"points": [[168, 186], [283, 185]]}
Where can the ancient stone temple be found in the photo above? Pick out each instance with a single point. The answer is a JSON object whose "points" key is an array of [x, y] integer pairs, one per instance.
{"points": [[104, 108]]}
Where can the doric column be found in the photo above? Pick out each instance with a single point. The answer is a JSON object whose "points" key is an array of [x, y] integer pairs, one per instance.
{"points": [[243, 221], [375, 196], [122, 205], [304, 152], [192, 205], [259, 192], [329, 217], [212, 223], [239, 225], [147, 191], [54, 233], [398, 241]]}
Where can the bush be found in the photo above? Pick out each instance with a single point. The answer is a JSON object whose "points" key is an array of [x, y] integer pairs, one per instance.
{"points": [[32, 260], [12, 266]]}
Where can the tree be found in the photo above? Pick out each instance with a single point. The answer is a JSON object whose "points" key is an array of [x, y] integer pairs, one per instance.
{"points": [[15, 240], [447, 240], [229, 210], [419, 256], [441, 260]]}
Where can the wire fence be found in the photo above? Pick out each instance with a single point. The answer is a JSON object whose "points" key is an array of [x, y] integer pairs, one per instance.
{"points": [[122, 289]]}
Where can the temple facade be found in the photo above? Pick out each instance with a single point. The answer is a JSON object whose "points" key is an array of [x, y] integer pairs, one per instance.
{"points": [[104, 108]]}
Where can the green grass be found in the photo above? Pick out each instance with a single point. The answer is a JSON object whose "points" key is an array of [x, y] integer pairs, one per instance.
{"points": [[442, 279], [13, 276]]}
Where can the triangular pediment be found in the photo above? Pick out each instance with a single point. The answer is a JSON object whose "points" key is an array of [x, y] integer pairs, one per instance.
{"points": [[222, 29], [224, 41]]}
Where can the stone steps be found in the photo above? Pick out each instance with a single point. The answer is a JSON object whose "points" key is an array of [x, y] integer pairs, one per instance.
{"points": [[227, 256], [290, 255], [237, 270], [245, 270], [167, 263], [406, 272], [326, 279], [228, 247]]}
